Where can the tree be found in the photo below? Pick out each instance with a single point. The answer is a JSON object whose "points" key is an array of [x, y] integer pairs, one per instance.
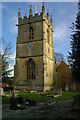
{"points": [[74, 55], [58, 57], [5, 54], [0, 67]]}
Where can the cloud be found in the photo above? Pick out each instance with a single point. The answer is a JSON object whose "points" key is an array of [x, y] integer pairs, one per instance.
{"points": [[11, 67], [61, 38], [73, 17], [12, 22], [12, 56], [62, 11], [3, 7], [60, 31]]}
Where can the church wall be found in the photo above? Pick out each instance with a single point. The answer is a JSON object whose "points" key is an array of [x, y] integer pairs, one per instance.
{"points": [[23, 53], [63, 71], [48, 76], [48, 58], [48, 48], [23, 50], [23, 35], [34, 84]]}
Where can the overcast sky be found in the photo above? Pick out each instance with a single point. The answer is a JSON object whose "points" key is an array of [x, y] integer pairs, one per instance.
{"points": [[63, 13]]}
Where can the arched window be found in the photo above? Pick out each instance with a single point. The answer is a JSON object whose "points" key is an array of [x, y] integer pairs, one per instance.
{"points": [[31, 35], [30, 69], [48, 36]]}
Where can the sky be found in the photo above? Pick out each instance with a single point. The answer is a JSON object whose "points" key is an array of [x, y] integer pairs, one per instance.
{"points": [[63, 13]]}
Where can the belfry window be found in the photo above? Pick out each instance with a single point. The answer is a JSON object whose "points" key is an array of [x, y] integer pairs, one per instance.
{"points": [[48, 36], [31, 35], [30, 69]]}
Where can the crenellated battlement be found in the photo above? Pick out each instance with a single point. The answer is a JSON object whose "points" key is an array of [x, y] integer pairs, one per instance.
{"points": [[30, 19], [37, 17]]}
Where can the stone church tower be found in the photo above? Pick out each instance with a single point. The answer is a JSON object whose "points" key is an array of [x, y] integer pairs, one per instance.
{"points": [[34, 66]]}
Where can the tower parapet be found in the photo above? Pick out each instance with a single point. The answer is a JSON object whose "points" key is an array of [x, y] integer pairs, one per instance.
{"points": [[36, 17]]}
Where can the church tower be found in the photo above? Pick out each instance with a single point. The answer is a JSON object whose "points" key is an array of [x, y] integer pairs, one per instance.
{"points": [[34, 66]]}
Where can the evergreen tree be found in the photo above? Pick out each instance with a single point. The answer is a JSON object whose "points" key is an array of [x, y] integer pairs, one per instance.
{"points": [[74, 55]]}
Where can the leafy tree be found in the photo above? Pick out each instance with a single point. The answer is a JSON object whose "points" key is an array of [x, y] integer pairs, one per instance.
{"points": [[58, 57], [5, 54], [74, 55]]}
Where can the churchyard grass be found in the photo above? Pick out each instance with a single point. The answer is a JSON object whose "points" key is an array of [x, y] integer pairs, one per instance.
{"points": [[59, 107], [5, 100], [27, 95], [66, 95], [57, 110]]}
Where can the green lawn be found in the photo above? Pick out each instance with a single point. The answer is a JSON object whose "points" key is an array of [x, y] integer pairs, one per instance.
{"points": [[60, 109], [66, 95], [39, 97], [5, 100], [26, 95]]}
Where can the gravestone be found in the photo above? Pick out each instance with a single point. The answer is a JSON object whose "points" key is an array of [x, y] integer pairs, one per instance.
{"points": [[21, 103], [57, 91], [30, 102], [20, 100], [1, 91], [13, 103], [16, 103]]}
